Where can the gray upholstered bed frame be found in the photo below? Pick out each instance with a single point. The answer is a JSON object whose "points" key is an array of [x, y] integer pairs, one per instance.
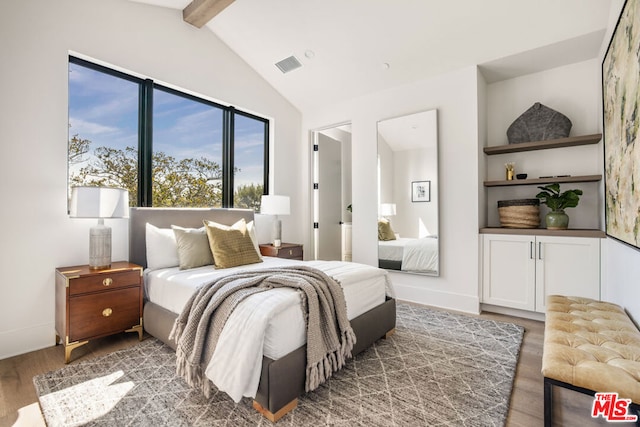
{"points": [[282, 380]]}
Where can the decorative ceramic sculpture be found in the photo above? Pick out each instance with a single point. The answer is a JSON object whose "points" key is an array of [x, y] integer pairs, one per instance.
{"points": [[539, 123]]}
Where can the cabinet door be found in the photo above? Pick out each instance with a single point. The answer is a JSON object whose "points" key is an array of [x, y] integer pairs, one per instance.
{"points": [[508, 271], [567, 266]]}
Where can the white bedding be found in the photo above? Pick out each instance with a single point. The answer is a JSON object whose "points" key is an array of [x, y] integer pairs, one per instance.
{"points": [[270, 323], [392, 249], [415, 254]]}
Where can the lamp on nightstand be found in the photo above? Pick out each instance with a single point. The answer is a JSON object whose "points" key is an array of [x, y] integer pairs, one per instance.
{"points": [[387, 209], [99, 202], [275, 205]]}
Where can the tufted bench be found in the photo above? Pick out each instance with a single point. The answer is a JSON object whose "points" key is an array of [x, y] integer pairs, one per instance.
{"points": [[589, 346]]}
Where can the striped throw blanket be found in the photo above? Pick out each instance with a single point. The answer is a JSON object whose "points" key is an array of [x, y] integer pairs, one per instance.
{"points": [[330, 337]]}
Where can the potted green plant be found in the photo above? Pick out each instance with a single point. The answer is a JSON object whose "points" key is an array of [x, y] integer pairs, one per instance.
{"points": [[558, 202]]}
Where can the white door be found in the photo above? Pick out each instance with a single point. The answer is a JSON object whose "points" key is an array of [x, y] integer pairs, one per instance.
{"points": [[508, 271], [567, 266], [329, 198]]}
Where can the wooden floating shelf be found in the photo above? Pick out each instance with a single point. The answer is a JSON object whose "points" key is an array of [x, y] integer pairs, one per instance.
{"points": [[535, 181], [543, 145], [575, 232]]}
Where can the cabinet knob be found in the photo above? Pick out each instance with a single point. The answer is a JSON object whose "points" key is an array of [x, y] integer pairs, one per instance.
{"points": [[107, 282], [290, 251], [107, 312]]}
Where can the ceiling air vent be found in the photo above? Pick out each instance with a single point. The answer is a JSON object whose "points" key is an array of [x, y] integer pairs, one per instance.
{"points": [[288, 64]]}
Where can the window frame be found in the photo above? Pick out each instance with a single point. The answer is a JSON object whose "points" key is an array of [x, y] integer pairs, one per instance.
{"points": [[146, 87]]}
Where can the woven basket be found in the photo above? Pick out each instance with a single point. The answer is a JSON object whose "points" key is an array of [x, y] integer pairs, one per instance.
{"points": [[521, 213]]}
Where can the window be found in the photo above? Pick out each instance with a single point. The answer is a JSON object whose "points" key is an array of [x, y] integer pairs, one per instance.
{"points": [[187, 151], [168, 148], [250, 136], [103, 129]]}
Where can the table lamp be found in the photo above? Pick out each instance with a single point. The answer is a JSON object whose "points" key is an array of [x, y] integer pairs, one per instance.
{"points": [[275, 205], [387, 209], [101, 203]]}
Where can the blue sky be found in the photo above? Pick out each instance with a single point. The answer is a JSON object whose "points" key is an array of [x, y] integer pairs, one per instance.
{"points": [[104, 109]]}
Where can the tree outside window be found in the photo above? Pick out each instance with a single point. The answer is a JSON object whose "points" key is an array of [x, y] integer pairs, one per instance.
{"points": [[187, 163]]}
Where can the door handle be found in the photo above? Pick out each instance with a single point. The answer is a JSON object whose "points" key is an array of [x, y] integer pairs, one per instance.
{"points": [[531, 249], [539, 250]]}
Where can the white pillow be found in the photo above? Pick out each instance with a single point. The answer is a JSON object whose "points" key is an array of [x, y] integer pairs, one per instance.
{"points": [[193, 247], [251, 228], [162, 249]]}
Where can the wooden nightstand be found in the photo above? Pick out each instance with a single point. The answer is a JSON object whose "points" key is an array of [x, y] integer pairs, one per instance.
{"points": [[95, 303], [286, 250]]}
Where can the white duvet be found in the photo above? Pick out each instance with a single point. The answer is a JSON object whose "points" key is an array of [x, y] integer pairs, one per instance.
{"points": [[267, 323], [415, 254], [420, 255]]}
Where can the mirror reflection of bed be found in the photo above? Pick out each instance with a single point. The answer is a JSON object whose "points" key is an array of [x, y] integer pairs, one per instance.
{"points": [[408, 193]]}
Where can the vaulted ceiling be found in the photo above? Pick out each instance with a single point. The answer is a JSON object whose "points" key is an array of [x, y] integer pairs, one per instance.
{"points": [[348, 48]]}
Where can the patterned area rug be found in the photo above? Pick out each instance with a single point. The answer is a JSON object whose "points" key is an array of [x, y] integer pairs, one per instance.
{"points": [[438, 369]]}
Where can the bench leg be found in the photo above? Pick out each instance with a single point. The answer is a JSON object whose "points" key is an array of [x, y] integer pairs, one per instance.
{"points": [[548, 403], [635, 410]]}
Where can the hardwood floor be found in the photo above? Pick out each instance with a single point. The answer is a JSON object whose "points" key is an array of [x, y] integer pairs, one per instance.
{"points": [[19, 403]]}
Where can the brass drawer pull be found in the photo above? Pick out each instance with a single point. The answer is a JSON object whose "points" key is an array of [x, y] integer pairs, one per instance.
{"points": [[290, 251], [107, 282], [107, 312]]}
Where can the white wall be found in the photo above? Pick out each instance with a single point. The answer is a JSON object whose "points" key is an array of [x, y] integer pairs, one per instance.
{"points": [[573, 90], [454, 95], [418, 164], [397, 170], [37, 36], [387, 176]]}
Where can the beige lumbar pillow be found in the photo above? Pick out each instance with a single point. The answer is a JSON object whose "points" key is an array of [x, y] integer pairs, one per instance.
{"points": [[193, 247], [231, 245], [385, 232]]}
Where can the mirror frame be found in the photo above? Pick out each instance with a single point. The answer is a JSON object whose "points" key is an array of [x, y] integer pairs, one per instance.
{"points": [[411, 195]]}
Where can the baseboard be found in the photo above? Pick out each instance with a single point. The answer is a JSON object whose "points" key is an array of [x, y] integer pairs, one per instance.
{"points": [[440, 299], [533, 315], [20, 341]]}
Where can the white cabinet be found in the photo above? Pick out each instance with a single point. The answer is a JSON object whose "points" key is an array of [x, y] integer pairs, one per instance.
{"points": [[519, 271], [346, 241], [509, 271]]}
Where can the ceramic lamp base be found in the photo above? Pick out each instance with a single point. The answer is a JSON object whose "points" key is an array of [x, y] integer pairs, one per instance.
{"points": [[277, 233], [100, 246]]}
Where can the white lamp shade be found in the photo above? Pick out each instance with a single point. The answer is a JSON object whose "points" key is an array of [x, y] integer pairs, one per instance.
{"points": [[99, 202], [275, 205], [388, 209]]}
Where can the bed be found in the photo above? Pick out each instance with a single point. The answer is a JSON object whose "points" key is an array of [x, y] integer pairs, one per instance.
{"points": [[282, 373], [408, 254]]}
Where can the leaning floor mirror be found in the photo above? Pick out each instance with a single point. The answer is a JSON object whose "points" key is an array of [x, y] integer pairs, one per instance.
{"points": [[408, 238]]}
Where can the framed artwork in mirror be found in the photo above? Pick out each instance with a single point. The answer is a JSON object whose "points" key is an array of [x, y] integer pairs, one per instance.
{"points": [[421, 191]]}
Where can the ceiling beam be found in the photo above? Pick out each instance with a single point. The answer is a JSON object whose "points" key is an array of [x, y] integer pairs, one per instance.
{"points": [[199, 12]]}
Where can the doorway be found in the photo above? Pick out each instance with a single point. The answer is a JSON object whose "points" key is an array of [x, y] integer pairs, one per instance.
{"points": [[331, 191]]}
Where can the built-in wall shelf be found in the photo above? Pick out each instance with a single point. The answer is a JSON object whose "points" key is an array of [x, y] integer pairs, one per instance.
{"points": [[575, 232], [543, 145], [535, 181]]}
